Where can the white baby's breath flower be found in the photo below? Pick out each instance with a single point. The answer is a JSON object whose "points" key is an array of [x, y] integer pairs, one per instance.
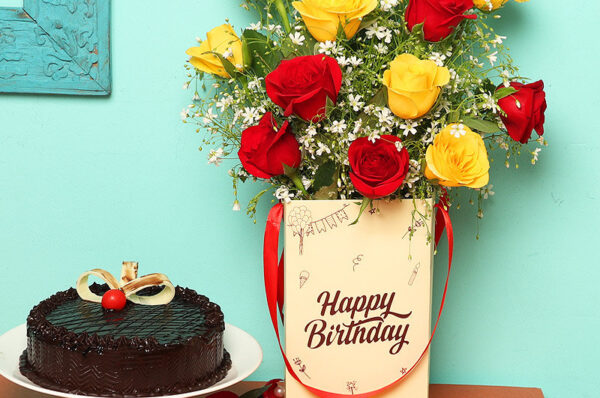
{"points": [[355, 61], [338, 127], [414, 174], [542, 141], [186, 86], [409, 127], [255, 26], [458, 130], [251, 115], [236, 205], [498, 40], [505, 75], [255, 83], [228, 54], [283, 193], [343, 61], [380, 32], [215, 156], [306, 182], [398, 145], [297, 38], [322, 149], [493, 57], [374, 136], [328, 47], [355, 102], [438, 58], [386, 117], [535, 155], [475, 61], [209, 116], [387, 5], [277, 29], [489, 103], [502, 143], [225, 102], [185, 113], [488, 191], [381, 48], [196, 97]]}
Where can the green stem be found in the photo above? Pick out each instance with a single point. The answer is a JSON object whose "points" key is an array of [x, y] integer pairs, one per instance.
{"points": [[298, 183], [366, 202], [284, 15]]}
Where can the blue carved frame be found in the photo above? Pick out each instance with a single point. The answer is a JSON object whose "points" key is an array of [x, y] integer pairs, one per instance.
{"points": [[56, 47]]}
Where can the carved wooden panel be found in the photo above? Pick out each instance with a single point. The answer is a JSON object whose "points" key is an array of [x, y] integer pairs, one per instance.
{"points": [[56, 47]]}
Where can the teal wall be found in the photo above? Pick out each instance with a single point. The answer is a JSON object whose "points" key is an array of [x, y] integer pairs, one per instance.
{"points": [[94, 181]]}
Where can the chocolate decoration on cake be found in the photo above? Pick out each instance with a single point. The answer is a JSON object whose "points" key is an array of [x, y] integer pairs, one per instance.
{"points": [[76, 346], [128, 287]]}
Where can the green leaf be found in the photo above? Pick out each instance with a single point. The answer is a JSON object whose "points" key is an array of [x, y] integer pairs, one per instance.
{"points": [[329, 105], [341, 33], [380, 98], [484, 126], [261, 56], [324, 175], [288, 49], [417, 31], [363, 206], [326, 193], [289, 171], [368, 21], [504, 92], [229, 68], [246, 54], [453, 117], [292, 173]]}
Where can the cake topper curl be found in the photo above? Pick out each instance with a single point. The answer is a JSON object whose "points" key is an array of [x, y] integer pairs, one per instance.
{"points": [[129, 284]]}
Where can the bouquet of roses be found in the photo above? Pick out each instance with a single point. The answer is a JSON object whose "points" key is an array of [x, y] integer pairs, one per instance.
{"points": [[363, 99]]}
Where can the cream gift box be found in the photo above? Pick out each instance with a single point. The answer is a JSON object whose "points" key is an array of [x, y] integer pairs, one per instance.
{"points": [[358, 297]]}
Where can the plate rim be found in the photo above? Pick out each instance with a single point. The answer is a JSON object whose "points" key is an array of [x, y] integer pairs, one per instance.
{"points": [[214, 388]]}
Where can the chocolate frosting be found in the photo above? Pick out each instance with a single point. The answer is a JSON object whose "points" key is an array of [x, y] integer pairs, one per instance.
{"points": [[76, 346]]}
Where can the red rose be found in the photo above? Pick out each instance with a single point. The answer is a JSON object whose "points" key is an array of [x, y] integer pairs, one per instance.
{"points": [[302, 85], [266, 148], [524, 110], [439, 17], [378, 169]]}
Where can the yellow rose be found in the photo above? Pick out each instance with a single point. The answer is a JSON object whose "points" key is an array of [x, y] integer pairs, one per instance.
{"points": [[491, 5], [457, 158], [323, 17], [413, 85], [222, 40]]}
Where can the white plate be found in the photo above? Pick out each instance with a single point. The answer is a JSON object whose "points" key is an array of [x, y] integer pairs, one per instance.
{"points": [[246, 356]]}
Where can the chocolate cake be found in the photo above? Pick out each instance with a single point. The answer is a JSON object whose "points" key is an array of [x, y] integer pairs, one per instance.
{"points": [[79, 347]]}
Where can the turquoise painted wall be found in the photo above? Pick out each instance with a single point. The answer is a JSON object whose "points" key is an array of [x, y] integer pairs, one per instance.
{"points": [[94, 181]]}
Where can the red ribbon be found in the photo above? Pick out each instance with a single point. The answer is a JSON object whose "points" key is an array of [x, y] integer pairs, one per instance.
{"points": [[273, 271]]}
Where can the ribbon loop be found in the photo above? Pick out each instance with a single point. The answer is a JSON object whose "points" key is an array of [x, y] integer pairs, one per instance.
{"points": [[83, 289], [129, 284]]}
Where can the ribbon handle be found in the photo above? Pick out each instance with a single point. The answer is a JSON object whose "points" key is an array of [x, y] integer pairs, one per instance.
{"points": [[273, 275]]}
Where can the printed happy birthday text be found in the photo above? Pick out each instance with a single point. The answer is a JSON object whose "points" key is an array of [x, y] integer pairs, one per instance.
{"points": [[371, 321]]}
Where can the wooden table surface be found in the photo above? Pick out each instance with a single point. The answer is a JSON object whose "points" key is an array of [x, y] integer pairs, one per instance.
{"points": [[10, 390]]}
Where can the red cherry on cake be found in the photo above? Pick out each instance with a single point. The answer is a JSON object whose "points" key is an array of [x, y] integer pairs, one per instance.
{"points": [[114, 299]]}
